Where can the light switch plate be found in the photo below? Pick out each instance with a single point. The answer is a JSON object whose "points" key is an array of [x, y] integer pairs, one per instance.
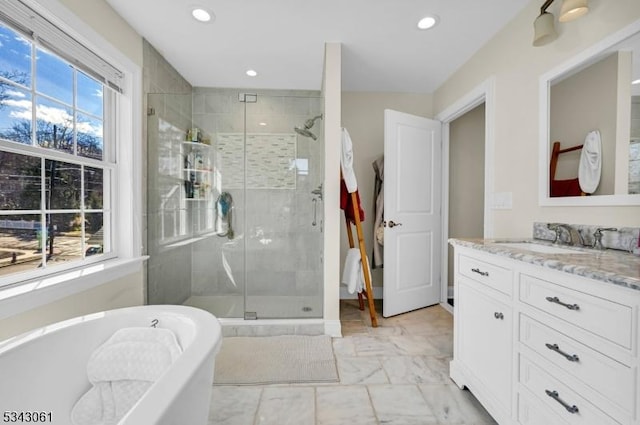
{"points": [[502, 200]]}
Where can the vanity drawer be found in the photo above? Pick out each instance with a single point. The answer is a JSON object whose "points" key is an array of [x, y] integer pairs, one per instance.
{"points": [[608, 319], [559, 399], [496, 277], [610, 378], [532, 412]]}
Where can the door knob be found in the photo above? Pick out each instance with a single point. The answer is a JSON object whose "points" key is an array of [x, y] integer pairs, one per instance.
{"points": [[394, 224]]}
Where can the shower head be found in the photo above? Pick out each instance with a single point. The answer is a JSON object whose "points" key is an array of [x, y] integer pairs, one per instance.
{"points": [[307, 126], [304, 132]]}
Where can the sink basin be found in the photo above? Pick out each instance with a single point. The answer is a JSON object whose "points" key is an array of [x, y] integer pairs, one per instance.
{"points": [[543, 249]]}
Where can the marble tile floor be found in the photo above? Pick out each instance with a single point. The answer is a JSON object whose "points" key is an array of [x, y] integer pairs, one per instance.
{"points": [[396, 374]]}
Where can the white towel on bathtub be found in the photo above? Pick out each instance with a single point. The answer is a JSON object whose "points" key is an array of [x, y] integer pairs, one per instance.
{"points": [[121, 371]]}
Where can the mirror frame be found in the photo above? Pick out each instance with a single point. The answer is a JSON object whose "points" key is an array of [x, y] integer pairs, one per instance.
{"points": [[579, 61]]}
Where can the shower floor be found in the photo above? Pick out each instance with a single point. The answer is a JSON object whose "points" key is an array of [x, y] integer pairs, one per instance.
{"points": [[266, 307]]}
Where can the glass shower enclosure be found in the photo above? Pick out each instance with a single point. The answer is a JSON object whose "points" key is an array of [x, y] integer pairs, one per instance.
{"points": [[234, 207]]}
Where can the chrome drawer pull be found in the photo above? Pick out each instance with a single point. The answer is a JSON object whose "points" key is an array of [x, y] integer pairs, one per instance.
{"points": [[481, 273], [570, 357], [557, 301], [498, 315], [554, 395]]}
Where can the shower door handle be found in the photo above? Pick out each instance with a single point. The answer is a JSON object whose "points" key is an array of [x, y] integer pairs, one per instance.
{"points": [[315, 211]]}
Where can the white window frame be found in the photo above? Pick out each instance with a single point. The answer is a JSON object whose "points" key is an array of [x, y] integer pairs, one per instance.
{"points": [[127, 182]]}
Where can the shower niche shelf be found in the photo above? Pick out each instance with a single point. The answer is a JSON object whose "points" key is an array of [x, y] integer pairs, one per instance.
{"points": [[197, 171]]}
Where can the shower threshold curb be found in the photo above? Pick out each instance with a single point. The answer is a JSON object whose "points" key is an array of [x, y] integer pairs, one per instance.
{"points": [[271, 327]]}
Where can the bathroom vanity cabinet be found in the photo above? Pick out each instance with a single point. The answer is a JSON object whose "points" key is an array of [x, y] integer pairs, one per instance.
{"points": [[540, 346]]}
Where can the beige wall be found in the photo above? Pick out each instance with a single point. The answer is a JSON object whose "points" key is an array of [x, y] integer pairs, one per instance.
{"points": [[466, 178], [635, 117], [517, 67], [634, 159], [123, 292], [331, 89], [363, 117], [579, 104], [105, 21]]}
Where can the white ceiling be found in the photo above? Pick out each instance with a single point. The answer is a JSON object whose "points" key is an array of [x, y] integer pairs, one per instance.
{"points": [[382, 49]]}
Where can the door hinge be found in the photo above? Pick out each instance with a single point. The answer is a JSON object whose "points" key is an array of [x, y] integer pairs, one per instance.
{"points": [[248, 97]]}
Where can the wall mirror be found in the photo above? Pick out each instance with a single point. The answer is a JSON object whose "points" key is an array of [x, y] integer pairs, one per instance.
{"points": [[590, 125]]}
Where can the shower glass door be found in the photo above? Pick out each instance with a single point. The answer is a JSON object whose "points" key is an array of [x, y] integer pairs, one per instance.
{"points": [[234, 202], [177, 215], [263, 256], [283, 174]]}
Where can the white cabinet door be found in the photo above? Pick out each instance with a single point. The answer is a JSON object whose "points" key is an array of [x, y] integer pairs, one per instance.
{"points": [[485, 340]]}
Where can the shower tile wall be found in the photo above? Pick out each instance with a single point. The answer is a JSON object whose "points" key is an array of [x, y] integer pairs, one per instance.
{"points": [[168, 271], [169, 217], [282, 247], [268, 163]]}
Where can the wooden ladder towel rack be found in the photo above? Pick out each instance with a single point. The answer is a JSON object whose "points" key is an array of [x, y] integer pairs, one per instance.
{"points": [[368, 291], [568, 187]]}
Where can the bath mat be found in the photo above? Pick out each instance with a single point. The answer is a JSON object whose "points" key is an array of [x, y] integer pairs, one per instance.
{"points": [[285, 359]]}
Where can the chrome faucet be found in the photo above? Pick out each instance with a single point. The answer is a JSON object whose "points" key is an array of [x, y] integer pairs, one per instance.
{"points": [[574, 235], [597, 236]]}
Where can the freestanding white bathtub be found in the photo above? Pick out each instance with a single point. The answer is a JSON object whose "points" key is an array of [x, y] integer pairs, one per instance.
{"points": [[44, 371]]}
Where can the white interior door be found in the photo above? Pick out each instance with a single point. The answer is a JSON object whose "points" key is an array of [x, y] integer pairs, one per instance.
{"points": [[412, 164]]}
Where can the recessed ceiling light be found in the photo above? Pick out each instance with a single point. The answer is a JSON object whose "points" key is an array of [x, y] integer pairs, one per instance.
{"points": [[636, 81], [251, 73], [263, 124], [201, 14], [427, 22]]}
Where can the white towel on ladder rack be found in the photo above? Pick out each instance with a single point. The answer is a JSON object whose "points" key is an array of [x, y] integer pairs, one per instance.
{"points": [[353, 273], [346, 162], [590, 166]]}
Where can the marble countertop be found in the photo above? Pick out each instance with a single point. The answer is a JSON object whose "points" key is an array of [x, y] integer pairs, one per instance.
{"points": [[611, 266]]}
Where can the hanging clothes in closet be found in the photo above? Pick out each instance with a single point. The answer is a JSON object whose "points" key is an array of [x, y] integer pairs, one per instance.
{"points": [[378, 212]]}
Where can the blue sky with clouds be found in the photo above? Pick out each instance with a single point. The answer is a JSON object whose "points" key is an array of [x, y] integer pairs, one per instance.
{"points": [[54, 78]]}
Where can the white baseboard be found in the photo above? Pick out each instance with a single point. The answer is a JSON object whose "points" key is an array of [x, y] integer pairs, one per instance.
{"points": [[447, 307], [333, 328], [345, 295]]}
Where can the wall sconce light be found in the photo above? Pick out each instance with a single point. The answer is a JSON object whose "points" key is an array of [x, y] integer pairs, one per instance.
{"points": [[544, 30]]}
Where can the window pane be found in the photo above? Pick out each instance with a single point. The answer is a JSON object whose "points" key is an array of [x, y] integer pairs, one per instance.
{"points": [[19, 182], [62, 182], [64, 242], [93, 233], [93, 188], [54, 125], [15, 114], [54, 77], [89, 137], [89, 95], [15, 57], [20, 248]]}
